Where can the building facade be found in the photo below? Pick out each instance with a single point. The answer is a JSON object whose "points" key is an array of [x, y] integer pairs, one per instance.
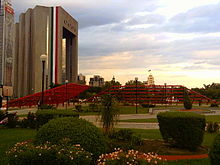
{"points": [[150, 80], [81, 79], [97, 81], [6, 42], [50, 31]]}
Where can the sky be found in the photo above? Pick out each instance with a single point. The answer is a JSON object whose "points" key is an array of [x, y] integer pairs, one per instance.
{"points": [[179, 41]]}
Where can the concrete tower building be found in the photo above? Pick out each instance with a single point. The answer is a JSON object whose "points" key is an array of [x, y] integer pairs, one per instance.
{"points": [[45, 30], [6, 42]]}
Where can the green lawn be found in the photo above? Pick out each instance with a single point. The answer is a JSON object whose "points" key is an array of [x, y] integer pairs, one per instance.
{"points": [[210, 118], [213, 118], [155, 134], [8, 137]]}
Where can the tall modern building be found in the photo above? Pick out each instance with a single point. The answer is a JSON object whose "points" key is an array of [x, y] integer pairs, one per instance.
{"points": [[6, 42], [45, 30]]}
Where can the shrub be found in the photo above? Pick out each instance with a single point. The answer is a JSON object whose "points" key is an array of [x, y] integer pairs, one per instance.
{"points": [[2, 115], [29, 122], [46, 154], [148, 105], [212, 127], [183, 129], [187, 102], [131, 157], [214, 105], [77, 130], [124, 138], [94, 108], [12, 120], [78, 108], [214, 153], [46, 106], [43, 116]]}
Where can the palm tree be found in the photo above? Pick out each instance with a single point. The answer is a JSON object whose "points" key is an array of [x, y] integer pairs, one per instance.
{"points": [[109, 113]]}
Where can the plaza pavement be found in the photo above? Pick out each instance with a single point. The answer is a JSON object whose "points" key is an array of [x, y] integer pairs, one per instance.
{"points": [[96, 120]]}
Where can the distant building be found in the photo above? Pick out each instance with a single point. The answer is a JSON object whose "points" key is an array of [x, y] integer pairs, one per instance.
{"points": [[150, 80], [96, 81], [6, 42], [81, 79]]}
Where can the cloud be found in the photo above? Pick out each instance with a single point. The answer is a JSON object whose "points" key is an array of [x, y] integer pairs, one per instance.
{"points": [[93, 13], [203, 19]]}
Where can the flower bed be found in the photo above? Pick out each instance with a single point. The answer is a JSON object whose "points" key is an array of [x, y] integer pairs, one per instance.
{"points": [[130, 157]]}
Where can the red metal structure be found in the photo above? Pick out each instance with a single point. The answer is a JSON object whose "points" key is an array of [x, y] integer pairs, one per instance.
{"points": [[152, 94], [54, 96]]}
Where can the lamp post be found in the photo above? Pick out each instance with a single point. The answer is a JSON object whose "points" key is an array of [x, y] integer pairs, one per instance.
{"points": [[136, 80], [43, 59], [66, 82]]}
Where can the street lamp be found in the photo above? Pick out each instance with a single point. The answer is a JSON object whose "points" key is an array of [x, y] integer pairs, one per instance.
{"points": [[43, 59], [136, 80], [66, 82]]}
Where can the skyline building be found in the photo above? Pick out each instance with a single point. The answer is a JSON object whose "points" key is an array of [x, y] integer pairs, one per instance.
{"points": [[50, 31], [81, 79], [96, 81], [6, 42]]}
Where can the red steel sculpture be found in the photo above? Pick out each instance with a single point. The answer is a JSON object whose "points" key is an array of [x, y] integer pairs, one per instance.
{"points": [[148, 94], [54, 96], [152, 94]]}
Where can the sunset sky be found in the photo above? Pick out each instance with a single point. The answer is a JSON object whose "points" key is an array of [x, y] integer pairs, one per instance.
{"points": [[178, 40]]}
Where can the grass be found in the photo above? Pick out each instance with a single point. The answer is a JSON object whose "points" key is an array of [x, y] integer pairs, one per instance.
{"points": [[155, 134], [9, 137], [213, 118], [209, 118]]}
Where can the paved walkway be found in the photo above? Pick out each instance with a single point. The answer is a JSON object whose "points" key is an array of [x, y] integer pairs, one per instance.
{"points": [[96, 120]]}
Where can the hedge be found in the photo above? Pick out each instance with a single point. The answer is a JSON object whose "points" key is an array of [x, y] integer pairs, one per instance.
{"points": [[214, 153], [79, 131], [43, 116], [182, 129]]}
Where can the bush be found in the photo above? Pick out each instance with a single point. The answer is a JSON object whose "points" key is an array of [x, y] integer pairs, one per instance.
{"points": [[187, 102], [46, 154], [78, 108], [214, 105], [29, 122], [2, 115], [12, 120], [148, 105], [214, 153], [43, 116], [46, 106], [124, 138], [77, 130], [94, 108], [212, 127], [183, 129]]}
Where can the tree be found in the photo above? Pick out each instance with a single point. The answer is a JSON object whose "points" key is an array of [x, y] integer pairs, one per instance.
{"points": [[133, 82], [109, 113]]}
